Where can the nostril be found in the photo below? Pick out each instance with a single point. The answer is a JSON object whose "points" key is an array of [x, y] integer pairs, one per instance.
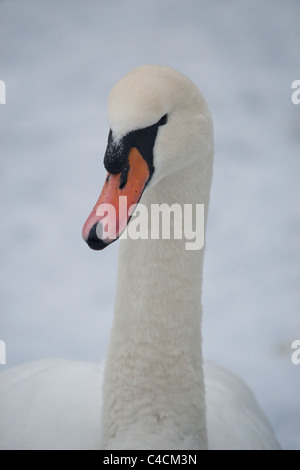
{"points": [[93, 241], [123, 178]]}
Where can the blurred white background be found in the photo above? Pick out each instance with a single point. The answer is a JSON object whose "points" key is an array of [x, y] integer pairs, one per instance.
{"points": [[59, 60]]}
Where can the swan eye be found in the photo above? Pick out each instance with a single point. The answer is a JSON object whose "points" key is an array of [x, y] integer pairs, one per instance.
{"points": [[163, 120]]}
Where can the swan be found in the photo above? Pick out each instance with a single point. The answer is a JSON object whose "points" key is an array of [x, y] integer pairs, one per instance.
{"points": [[157, 391]]}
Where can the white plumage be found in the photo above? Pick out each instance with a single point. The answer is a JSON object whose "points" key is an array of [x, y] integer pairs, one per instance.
{"points": [[56, 404], [156, 393]]}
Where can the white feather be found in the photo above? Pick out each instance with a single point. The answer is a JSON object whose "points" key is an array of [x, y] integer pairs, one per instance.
{"points": [[56, 404]]}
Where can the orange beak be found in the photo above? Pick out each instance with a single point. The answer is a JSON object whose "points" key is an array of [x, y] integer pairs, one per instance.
{"points": [[116, 203]]}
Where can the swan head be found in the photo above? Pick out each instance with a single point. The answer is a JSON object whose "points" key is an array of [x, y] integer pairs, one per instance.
{"points": [[159, 124]]}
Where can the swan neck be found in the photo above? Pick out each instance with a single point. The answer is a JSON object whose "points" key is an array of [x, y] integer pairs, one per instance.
{"points": [[154, 382]]}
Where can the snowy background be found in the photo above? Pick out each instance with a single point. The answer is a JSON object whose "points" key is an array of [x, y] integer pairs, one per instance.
{"points": [[59, 60]]}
